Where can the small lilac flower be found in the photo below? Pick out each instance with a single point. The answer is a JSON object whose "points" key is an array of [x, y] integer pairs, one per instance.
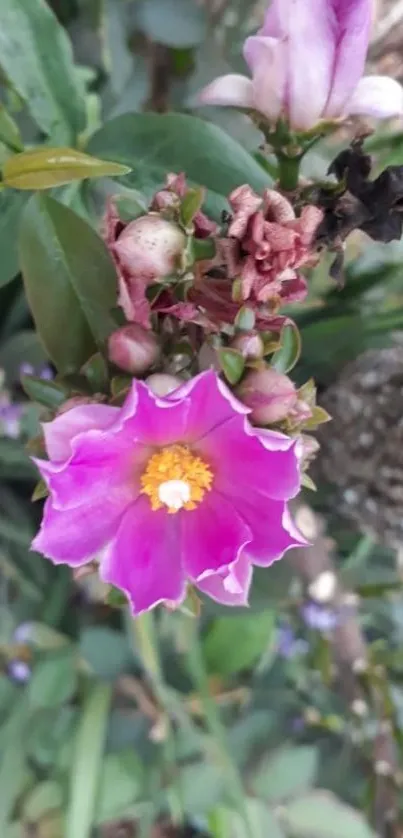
{"points": [[307, 65], [166, 491], [318, 617], [45, 372], [10, 418], [23, 633], [288, 644], [19, 671]]}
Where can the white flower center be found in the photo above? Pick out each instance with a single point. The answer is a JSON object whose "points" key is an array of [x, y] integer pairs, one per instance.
{"points": [[174, 493]]}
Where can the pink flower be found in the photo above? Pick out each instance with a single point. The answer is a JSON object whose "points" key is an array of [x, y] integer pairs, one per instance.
{"points": [[267, 243], [166, 491], [144, 251], [307, 64], [171, 197]]}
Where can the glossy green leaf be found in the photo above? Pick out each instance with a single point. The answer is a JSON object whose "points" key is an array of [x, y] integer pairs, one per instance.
{"points": [[54, 679], [190, 205], [232, 364], [263, 823], [320, 814], [70, 282], [11, 206], [287, 356], [36, 56], [43, 168], [236, 643], [86, 767], [286, 773], [154, 144], [120, 785]]}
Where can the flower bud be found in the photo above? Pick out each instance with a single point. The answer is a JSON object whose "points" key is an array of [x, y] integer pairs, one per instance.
{"points": [[161, 384], [249, 345], [133, 349], [150, 246], [269, 394]]}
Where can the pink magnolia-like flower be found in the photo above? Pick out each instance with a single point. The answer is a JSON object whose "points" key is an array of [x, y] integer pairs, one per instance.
{"points": [[307, 64], [267, 243], [169, 490]]}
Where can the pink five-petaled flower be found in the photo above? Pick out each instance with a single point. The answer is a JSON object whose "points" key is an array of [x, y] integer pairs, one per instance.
{"points": [[166, 491], [267, 243], [307, 64]]}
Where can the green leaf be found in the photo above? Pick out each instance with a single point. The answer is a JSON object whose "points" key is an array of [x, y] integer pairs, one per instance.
{"points": [[235, 643], [13, 776], [190, 205], [42, 799], [120, 785], [154, 144], [263, 823], [87, 762], [287, 356], [45, 392], [54, 679], [9, 132], [320, 814], [174, 23], [106, 651], [232, 364], [201, 786], [286, 773], [42, 71], [43, 168], [11, 207], [69, 279]]}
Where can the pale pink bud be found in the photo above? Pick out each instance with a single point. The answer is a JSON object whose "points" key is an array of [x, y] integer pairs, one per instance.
{"points": [[249, 345], [161, 383], [150, 246], [133, 349], [270, 395]]}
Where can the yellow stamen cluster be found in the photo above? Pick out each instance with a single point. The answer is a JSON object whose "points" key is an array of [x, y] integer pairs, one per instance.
{"points": [[176, 462]]}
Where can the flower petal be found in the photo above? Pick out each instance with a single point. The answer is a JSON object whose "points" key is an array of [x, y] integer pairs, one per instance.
{"points": [[267, 58], [213, 536], [75, 536], [233, 90], [61, 431], [274, 532], [230, 588], [145, 558], [353, 20], [308, 28], [239, 455], [211, 403], [377, 96]]}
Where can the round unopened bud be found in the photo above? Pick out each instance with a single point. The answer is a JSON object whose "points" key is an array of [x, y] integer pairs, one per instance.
{"points": [[249, 345], [150, 246], [161, 384], [270, 395], [133, 349]]}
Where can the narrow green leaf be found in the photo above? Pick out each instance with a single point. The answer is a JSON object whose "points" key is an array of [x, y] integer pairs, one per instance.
{"points": [[232, 364], [11, 206], [47, 393], [87, 762], [43, 168], [190, 205], [42, 72], [287, 356], [9, 132], [70, 282]]}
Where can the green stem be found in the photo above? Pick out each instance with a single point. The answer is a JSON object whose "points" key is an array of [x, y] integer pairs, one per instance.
{"points": [[146, 645], [288, 171], [199, 677]]}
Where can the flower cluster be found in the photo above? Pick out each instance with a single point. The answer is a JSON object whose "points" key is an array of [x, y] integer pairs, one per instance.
{"points": [[177, 469]]}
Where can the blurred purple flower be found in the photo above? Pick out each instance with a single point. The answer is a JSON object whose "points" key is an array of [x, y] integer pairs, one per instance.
{"points": [[10, 417], [288, 644], [318, 617], [44, 372], [19, 671], [23, 633], [307, 64]]}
